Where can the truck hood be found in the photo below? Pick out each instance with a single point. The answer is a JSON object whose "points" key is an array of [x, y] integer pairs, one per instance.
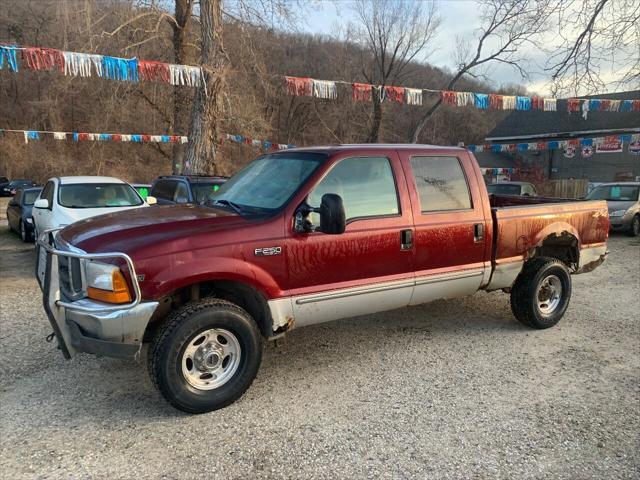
{"points": [[147, 232]]}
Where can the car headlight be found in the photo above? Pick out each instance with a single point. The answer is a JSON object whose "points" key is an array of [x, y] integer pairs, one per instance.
{"points": [[30, 221], [106, 283], [618, 213]]}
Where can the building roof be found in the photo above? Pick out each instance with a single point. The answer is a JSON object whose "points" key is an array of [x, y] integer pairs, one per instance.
{"points": [[530, 125]]}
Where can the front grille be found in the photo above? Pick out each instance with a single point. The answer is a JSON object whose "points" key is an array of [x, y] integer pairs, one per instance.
{"points": [[70, 277]]}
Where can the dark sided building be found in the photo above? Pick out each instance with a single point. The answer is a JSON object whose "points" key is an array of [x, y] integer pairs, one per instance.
{"points": [[538, 126]]}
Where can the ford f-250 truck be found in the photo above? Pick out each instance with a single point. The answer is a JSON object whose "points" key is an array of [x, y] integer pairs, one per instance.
{"points": [[300, 237]]}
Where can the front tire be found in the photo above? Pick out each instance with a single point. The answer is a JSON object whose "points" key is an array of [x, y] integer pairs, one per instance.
{"points": [[541, 293], [634, 229], [24, 234], [205, 356]]}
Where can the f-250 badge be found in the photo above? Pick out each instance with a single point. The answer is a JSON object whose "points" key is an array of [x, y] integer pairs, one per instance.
{"points": [[267, 251]]}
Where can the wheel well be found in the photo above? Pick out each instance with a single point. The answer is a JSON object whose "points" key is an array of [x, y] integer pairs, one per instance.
{"points": [[563, 246], [243, 295]]}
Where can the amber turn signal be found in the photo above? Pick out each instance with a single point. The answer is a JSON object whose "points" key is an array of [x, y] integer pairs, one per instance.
{"points": [[119, 294]]}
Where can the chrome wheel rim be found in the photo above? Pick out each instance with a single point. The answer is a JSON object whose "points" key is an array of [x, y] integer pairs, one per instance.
{"points": [[549, 294], [211, 359]]}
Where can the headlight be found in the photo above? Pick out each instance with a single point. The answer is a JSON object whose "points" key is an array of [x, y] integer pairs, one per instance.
{"points": [[618, 213], [30, 221], [106, 283]]}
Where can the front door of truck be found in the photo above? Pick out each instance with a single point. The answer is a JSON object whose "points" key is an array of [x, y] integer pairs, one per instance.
{"points": [[450, 227], [369, 267]]}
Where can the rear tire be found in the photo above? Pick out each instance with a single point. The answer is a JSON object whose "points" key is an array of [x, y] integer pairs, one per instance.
{"points": [[541, 293], [205, 355], [634, 229]]}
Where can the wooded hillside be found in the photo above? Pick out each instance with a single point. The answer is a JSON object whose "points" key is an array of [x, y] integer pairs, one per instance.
{"points": [[256, 104]]}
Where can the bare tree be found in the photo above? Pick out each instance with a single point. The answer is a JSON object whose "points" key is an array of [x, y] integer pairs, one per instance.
{"points": [[208, 102], [393, 34], [507, 25], [597, 45]]}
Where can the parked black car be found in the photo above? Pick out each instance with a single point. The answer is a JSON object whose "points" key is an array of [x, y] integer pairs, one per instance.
{"points": [[12, 187], [4, 181], [174, 189], [19, 212], [524, 189]]}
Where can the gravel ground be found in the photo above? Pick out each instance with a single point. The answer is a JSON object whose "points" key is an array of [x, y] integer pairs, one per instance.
{"points": [[453, 389]]}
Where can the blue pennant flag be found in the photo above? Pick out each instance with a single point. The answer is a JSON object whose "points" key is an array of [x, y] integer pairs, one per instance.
{"points": [[553, 145], [166, 138], [626, 106], [482, 101], [104, 137], [120, 68], [586, 142], [136, 138], [523, 147], [471, 148], [523, 103], [9, 52]]}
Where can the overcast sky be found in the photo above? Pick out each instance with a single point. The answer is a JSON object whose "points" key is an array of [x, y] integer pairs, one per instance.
{"points": [[459, 17]]}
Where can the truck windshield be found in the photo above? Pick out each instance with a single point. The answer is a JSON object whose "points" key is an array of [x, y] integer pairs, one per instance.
{"points": [[268, 182], [98, 195], [615, 193]]}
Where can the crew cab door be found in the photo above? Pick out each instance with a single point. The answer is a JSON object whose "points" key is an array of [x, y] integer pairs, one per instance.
{"points": [[452, 255], [369, 267]]}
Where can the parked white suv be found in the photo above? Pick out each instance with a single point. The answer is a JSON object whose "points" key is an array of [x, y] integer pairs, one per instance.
{"points": [[65, 200]]}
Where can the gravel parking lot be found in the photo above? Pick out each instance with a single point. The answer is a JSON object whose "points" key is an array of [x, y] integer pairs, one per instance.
{"points": [[453, 389]]}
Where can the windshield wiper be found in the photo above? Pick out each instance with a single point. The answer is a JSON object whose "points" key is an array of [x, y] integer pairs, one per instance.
{"points": [[236, 208]]}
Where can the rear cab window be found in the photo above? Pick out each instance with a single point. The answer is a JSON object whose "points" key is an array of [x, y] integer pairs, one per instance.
{"points": [[441, 184]]}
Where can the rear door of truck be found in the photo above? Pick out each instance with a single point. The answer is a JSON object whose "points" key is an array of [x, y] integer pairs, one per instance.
{"points": [[452, 221]]}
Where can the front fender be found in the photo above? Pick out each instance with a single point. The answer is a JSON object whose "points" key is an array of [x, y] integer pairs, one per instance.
{"points": [[160, 281]]}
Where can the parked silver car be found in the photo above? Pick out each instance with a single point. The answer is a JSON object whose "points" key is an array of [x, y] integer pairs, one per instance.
{"points": [[623, 199]]}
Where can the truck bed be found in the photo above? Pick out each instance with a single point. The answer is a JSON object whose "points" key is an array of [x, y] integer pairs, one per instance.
{"points": [[523, 224]]}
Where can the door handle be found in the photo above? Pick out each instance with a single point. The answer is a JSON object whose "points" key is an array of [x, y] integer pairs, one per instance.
{"points": [[478, 232], [406, 239]]}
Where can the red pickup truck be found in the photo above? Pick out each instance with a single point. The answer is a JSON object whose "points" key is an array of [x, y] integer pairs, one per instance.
{"points": [[300, 237]]}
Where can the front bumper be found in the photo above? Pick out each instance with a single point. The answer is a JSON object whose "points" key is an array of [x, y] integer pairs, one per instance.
{"points": [[84, 325], [620, 223]]}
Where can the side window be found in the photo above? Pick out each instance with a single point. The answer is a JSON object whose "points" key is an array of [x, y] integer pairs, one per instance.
{"points": [[47, 193], [366, 185], [181, 194], [441, 184], [17, 198], [164, 189]]}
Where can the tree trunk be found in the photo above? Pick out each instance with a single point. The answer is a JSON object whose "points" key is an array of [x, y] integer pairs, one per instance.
{"points": [[374, 132], [181, 96], [203, 130]]}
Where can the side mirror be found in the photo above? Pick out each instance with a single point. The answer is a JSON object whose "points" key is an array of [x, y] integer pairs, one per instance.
{"points": [[332, 216], [41, 203], [151, 200]]}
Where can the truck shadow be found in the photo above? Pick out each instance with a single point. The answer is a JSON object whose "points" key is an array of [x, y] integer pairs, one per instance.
{"points": [[108, 389]]}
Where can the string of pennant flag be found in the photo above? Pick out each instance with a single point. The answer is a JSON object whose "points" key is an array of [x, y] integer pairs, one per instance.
{"points": [[364, 92], [574, 143], [31, 135], [133, 70], [88, 64]]}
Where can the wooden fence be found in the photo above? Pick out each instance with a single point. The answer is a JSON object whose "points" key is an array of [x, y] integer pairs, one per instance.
{"points": [[574, 188]]}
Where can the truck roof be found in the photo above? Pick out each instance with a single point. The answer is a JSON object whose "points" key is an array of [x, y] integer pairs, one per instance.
{"points": [[370, 146]]}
